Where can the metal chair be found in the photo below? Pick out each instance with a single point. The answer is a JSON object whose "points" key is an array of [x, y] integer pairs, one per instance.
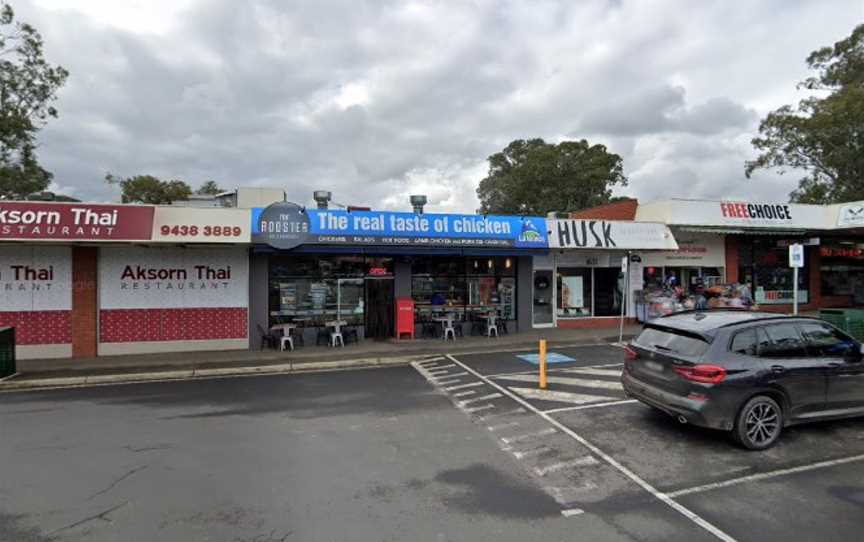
{"points": [[268, 338]]}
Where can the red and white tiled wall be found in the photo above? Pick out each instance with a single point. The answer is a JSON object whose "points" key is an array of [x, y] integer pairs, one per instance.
{"points": [[36, 298]]}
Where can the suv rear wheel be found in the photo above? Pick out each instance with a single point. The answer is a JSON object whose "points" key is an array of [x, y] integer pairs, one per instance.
{"points": [[759, 423]]}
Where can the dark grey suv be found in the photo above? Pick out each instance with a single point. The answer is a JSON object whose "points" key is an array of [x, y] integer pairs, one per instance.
{"points": [[749, 373]]}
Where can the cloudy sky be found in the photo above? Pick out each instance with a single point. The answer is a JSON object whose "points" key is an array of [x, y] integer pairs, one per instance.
{"points": [[377, 100]]}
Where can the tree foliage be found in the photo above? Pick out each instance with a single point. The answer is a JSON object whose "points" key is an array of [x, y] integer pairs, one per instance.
{"points": [[535, 177], [209, 188], [150, 189], [824, 134], [28, 87]]}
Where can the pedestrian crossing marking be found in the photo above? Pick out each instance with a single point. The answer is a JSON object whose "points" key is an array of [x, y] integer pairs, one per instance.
{"points": [[591, 371], [558, 396], [571, 381]]}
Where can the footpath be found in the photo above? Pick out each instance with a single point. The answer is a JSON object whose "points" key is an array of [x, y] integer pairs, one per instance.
{"points": [[53, 373]]}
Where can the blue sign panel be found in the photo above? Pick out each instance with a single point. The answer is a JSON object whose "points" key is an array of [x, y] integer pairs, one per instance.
{"points": [[335, 226], [551, 357]]}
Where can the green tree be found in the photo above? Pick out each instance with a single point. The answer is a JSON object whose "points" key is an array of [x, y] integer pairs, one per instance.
{"points": [[535, 177], [28, 86], [824, 134], [150, 189], [209, 188]]}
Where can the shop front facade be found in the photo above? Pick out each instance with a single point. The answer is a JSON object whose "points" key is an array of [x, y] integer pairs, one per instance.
{"points": [[593, 268], [311, 267], [81, 280], [756, 238]]}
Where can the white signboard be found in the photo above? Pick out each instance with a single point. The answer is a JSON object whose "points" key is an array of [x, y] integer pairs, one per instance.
{"points": [[35, 278], [796, 255], [609, 234], [739, 213], [694, 250], [202, 225], [572, 294], [851, 214], [144, 278]]}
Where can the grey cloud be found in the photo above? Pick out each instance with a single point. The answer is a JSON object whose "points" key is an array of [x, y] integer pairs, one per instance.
{"points": [[244, 93]]}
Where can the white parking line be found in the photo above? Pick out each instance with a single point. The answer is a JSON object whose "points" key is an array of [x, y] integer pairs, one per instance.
{"points": [[570, 512], [593, 371], [683, 510], [519, 410], [447, 382], [552, 369], [479, 408], [586, 461], [462, 386], [766, 475], [533, 451], [526, 436], [560, 396], [446, 375], [568, 381], [478, 399], [501, 426], [595, 405], [442, 366], [465, 393]]}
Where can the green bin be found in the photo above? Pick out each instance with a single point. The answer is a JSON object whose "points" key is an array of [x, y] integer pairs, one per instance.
{"points": [[849, 320], [7, 351]]}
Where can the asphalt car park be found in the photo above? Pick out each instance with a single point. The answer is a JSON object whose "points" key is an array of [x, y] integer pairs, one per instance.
{"points": [[809, 484]]}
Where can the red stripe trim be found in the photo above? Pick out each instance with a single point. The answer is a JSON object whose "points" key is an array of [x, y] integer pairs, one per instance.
{"points": [[140, 325]]}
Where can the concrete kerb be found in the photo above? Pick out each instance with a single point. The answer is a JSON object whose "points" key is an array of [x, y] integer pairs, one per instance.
{"points": [[32, 384]]}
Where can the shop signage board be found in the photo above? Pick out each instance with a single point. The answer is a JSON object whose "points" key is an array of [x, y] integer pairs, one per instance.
{"points": [[851, 215], [171, 277], [35, 278], [201, 225], [34, 221], [285, 226], [609, 234], [746, 214], [694, 250]]}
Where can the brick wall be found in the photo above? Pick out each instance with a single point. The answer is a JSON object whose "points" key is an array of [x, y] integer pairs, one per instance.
{"points": [[594, 323], [84, 301], [619, 210]]}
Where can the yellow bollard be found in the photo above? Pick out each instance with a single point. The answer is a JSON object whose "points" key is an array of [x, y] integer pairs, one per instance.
{"points": [[542, 364]]}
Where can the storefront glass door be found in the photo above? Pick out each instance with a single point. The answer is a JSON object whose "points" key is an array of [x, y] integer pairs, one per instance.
{"points": [[544, 298]]}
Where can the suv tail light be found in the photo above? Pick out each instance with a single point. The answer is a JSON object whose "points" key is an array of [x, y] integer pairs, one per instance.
{"points": [[705, 374], [629, 353]]}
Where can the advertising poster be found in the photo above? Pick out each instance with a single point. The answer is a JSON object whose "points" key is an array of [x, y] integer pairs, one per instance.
{"points": [[572, 293]]}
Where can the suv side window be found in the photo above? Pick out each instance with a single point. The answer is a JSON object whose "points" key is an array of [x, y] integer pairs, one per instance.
{"points": [[786, 342], [744, 342], [825, 341]]}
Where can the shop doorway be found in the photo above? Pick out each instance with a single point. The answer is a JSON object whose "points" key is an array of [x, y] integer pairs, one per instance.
{"points": [[379, 308], [544, 298], [608, 286]]}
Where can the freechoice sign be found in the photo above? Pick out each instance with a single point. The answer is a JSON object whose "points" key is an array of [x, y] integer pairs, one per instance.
{"points": [[286, 226], [75, 222]]}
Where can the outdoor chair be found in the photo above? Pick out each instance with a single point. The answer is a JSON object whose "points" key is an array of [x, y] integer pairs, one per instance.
{"points": [[268, 338]]}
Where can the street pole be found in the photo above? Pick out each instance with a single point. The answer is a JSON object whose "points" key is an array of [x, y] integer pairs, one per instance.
{"points": [[795, 291], [542, 364], [625, 268]]}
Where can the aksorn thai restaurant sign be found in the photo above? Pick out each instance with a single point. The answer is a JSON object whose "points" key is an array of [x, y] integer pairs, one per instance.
{"points": [[22, 220]]}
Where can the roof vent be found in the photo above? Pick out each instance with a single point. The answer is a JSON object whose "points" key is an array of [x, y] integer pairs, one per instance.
{"points": [[418, 201], [322, 198]]}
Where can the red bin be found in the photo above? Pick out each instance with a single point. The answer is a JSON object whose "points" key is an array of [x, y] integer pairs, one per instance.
{"points": [[404, 317]]}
